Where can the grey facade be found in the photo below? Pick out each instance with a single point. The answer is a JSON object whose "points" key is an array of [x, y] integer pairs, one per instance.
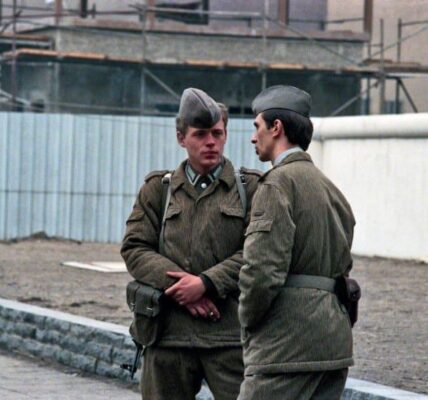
{"points": [[120, 66], [298, 9]]}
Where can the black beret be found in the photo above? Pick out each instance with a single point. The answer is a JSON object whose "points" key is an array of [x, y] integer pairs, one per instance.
{"points": [[283, 97], [198, 109]]}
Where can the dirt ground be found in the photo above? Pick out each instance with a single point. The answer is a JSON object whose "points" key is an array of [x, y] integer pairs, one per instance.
{"points": [[391, 336]]}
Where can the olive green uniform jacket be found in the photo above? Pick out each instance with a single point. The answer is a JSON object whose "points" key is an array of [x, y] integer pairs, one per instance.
{"points": [[204, 233], [300, 224]]}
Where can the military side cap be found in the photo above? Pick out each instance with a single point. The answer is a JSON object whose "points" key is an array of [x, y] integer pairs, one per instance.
{"points": [[284, 98], [198, 109]]}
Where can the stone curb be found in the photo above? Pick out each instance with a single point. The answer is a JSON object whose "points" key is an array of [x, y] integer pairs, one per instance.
{"points": [[360, 389], [100, 347], [92, 346]]}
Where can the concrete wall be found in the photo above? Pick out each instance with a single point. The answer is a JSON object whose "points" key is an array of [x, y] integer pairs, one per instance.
{"points": [[174, 46], [381, 165], [77, 176]]}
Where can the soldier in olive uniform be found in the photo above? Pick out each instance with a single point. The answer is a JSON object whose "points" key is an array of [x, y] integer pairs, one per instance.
{"points": [[203, 237], [296, 335]]}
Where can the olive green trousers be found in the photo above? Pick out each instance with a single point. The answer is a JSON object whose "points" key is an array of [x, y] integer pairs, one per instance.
{"points": [[177, 373], [323, 385]]}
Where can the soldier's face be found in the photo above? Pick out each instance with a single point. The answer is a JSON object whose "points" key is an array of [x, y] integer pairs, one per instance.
{"points": [[204, 146], [262, 139]]}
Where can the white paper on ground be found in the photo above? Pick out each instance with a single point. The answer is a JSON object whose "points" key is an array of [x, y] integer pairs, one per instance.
{"points": [[101, 266]]}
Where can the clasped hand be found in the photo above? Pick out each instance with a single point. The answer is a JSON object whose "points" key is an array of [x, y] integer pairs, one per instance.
{"points": [[189, 291]]}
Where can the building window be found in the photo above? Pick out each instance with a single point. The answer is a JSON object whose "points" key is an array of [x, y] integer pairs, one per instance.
{"points": [[190, 17]]}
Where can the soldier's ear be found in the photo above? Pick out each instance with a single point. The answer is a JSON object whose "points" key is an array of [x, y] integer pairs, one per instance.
{"points": [[277, 128], [180, 139]]}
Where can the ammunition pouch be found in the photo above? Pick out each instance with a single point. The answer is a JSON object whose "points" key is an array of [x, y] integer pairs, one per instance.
{"points": [[349, 293], [146, 304]]}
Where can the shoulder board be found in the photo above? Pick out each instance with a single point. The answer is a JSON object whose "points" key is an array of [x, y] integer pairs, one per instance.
{"points": [[265, 174], [154, 174], [249, 171]]}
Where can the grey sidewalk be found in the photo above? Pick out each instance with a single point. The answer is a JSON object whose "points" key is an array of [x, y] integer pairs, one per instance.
{"points": [[97, 347], [23, 378]]}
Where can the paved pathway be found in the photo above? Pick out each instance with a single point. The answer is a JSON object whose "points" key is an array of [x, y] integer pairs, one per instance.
{"points": [[24, 378]]}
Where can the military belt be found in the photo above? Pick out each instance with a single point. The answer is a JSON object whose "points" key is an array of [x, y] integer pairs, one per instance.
{"points": [[310, 282]]}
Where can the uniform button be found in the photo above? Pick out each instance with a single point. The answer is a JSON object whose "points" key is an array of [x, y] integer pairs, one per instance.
{"points": [[203, 185]]}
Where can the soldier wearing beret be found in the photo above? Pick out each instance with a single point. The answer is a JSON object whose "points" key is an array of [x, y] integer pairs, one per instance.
{"points": [[203, 237], [296, 334]]}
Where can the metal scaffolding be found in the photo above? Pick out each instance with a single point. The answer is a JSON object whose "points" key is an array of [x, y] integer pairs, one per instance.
{"points": [[380, 72]]}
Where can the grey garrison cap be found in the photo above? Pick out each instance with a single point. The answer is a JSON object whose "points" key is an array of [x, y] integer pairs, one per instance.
{"points": [[285, 98], [198, 109]]}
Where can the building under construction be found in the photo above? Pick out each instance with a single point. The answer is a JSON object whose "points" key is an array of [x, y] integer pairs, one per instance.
{"points": [[120, 57]]}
